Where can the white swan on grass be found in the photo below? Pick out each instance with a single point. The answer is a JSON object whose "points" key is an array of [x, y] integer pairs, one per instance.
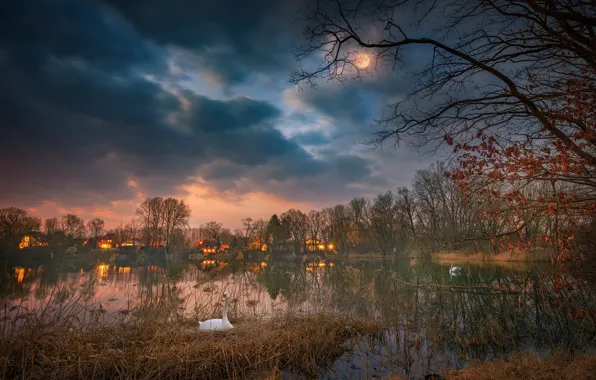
{"points": [[454, 271], [218, 324]]}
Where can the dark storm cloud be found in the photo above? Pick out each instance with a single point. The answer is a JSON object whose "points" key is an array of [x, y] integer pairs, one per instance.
{"points": [[84, 30], [298, 177], [311, 138], [233, 39], [80, 116], [212, 116], [341, 102]]}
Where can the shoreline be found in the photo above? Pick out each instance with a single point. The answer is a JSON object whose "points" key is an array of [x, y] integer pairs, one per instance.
{"points": [[521, 257]]}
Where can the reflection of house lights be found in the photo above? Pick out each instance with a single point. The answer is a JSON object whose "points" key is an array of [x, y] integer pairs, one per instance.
{"points": [[102, 270], [19, 273], [124, 270], [206, 263], [321, 264], [131, 243]]}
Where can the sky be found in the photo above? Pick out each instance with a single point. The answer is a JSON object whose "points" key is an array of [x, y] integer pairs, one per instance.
{"points": [[105, 103]]}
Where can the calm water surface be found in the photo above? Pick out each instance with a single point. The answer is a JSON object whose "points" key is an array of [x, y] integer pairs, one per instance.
{"points": [[434, 320]]}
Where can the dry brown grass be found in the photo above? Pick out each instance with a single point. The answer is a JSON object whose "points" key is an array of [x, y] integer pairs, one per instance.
{"points": [[253, 349], [530, 367], [505, 256]]}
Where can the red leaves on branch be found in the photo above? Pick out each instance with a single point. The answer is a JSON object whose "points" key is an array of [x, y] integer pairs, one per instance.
{"points": [[563, 182]]}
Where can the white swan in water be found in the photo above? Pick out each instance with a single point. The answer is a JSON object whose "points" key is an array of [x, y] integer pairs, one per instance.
{"points": [[218, 324], [454, 270]]}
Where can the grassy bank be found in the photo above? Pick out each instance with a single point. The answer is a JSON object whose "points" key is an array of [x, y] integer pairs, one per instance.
{"points": [[511, 256], [168, 350], [530, 367]]}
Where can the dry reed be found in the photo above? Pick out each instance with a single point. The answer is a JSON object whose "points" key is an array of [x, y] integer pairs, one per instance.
{"points": [[146, 350]]}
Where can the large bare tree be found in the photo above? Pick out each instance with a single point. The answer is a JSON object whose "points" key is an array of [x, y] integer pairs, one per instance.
{"points": [[509, 84], [492, 64], [383, 220], [213, 230], [298, 228], [15, 223], [73, 226], [176, 215], [96, 228], [315, 226], [150, 213]]}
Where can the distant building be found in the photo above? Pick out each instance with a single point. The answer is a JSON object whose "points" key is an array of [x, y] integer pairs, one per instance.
{"points": [[33, 239], [314, 245], [209, 246], [132, 243], [108, 241]]}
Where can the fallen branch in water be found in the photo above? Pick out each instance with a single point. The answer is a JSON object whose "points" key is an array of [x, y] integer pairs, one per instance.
{"points": [[466, 287]]}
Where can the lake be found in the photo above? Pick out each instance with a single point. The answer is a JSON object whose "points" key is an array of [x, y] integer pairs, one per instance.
{"points": [[434, 320]]}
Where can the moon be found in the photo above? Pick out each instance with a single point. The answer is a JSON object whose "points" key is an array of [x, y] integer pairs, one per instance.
{"points": [[362, 61]]}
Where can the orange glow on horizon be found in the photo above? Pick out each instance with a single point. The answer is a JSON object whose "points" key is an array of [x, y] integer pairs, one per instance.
{"points": [[224, 207]]}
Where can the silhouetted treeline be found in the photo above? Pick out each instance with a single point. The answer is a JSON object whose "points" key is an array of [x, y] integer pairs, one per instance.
{"points": [[433, 214]]}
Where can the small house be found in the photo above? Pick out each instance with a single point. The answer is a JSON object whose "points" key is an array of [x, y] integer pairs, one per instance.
{"points": [[33, 239]]}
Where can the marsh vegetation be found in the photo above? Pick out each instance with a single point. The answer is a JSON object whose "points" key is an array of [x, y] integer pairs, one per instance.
{"points": [[292, 318]]}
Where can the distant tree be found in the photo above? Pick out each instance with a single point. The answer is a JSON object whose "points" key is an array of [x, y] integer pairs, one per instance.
{"points": [[248, 230], [298, 228], [315, 225], [192, 236], [406, 205], [339, 226], [133, 229], [213, 230], [358, 208], [96, 228], [150, 213], [226, 236], [53, 232], [276, 232], [15, 223], [51, 226], [73, 226], [120, 234], [262, 234], [176, 215], [383, 221]]}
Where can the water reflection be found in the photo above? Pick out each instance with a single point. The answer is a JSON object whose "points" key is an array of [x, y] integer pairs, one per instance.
{"points": [[19, 273], [435, 318]]}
